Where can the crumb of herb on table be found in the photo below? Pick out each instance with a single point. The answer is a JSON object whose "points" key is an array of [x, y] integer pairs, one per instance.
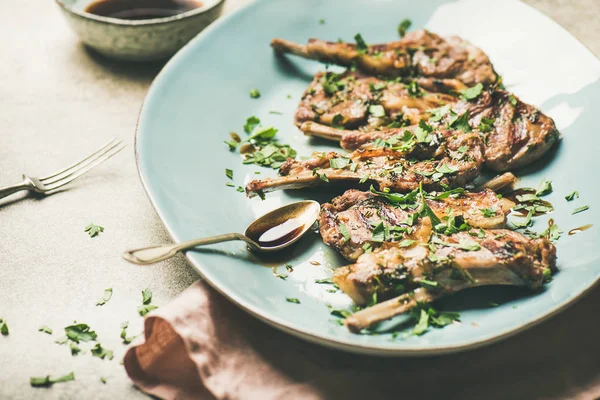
{"points": [[93, 230], [105, 297]]}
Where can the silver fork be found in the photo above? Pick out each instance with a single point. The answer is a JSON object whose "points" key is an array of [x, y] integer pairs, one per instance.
{"points": [[49, 184]]}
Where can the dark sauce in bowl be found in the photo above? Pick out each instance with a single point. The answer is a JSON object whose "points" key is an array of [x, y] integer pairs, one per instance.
{"points": [[141, 9]]}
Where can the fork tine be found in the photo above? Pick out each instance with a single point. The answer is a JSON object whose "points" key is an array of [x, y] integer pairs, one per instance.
{"points": [[82, 164], [107, 145], [83, 170]]}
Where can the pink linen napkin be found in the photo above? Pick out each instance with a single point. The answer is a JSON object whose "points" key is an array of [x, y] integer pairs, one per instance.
{"points": [[200, 346]]}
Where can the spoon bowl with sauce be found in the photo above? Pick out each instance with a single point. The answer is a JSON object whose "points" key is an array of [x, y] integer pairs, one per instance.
{"points": [[138, 30], [270, 233]]}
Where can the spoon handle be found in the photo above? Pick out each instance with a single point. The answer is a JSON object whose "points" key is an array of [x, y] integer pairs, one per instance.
{"points": [[154, 254]]}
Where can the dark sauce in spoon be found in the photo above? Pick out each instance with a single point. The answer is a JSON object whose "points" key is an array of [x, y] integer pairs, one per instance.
{"points": [[279, 234], [141, 9], [580, 229]]}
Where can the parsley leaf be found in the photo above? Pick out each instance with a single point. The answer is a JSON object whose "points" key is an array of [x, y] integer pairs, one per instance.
{"points": [[321, 176], [93, 230], [46, 381], [80, 333], [572, 196], [544, 188], [438, 113], [580, 209], [512, 100], [377, 110], [337, 121], [263, 134], [406, 243], [361, 45], [553, 233], [414, 90], [460, 122], [488, 212], [404, 26], [145, 309], [254, 93], [339, 163], [423, 323], [472, 92], [101, 352], [292, 300], [486, 124], [446, 169], [45, 329], [229, 173], [3, 327], [344, 231], [105, 297], [146, 296], [379, 233], [251, 123]]}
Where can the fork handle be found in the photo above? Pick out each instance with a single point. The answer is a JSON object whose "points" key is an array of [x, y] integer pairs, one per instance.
{"points": [[7, 191]]}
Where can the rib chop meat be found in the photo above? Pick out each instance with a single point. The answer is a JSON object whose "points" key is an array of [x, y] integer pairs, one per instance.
{"points": [[433, 159], [421, 53], [348, 223], [449, 263]]}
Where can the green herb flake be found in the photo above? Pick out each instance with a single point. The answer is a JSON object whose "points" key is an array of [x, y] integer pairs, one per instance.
{"points": [[488, 212], [438, 113], [93, 230], [324, 281], [404, 26], [377, 110], [339, 163], [101, 352], [547, 275], [74, 349], [229, 173], [240, 189], [361, 45], [229, 184], [472, 92], [254, 93], [364, 179], [572, 196], [367, 247], [486, 124], [47, 381], [379, 233], [251, 123], [80, 333], [45, 329], [321, 176], [103, 379], [146, 296], [105, 297], [3, 327], [406, 243], [428, 284], [460, 122], [344, 231], [512, 100], [145, 309], [422, 324], [544, 188], [580, 209], [292, 300], [337, 121], [322, 21]]}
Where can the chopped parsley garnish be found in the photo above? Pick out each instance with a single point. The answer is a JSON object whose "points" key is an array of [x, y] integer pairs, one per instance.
{"points": [[572, 196], [438, 113], [3, 327], [472, 92], [580, 209], [275, 112], [80, 333], [367, 247], [377, 110], [145, 309], [103, 379], [263, 134], [101, 352], [544, 188], [331, 83], [74, 348], [446, 169], [126, 339], [322, 21], [547, 275], [337, 121], [229, 184], [406, 242], [414, 90], [240, 189], [292, 300], [46, 381], [553, 233], [324, 281], [146, 296], [321, 176], [404, 26], [361, 45], [488, 212], [251, 123], [339, 163], [427, 316], [344, 231], [512, 100], [460, 122], [93, 230], [462, 149], [464, 244], [422, 323], [486, 124], [45, 329], [234, 142], [229, 173], [254, 93], [105, 297], [377, 87]]}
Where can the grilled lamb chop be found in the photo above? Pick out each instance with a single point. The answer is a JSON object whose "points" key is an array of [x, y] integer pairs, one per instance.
{"points": [[421, 53], [448, 264], [344, 100], [515, 133], [348, 223], [432, 159]]}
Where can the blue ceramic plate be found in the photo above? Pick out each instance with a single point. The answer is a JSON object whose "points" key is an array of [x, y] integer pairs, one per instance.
{"points": [[202, 95]]}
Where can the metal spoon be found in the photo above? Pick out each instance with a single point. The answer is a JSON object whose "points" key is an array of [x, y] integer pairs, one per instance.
{"points": [[269, 233]]}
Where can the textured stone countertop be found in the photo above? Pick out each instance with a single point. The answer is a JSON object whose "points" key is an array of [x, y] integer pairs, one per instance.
{"points": [[59, 101]]}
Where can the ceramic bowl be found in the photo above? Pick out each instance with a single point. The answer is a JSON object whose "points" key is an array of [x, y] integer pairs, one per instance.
{"points": [[138, 40]]}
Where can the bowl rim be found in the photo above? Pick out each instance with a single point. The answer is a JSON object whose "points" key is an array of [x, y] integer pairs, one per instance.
{"points": [[141, 22]]}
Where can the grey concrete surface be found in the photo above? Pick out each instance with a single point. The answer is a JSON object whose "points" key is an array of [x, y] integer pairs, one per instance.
{"points": [[58, 101]]}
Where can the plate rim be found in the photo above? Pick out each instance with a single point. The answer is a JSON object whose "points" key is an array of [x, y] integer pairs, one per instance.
{"points": [[357, 348]]}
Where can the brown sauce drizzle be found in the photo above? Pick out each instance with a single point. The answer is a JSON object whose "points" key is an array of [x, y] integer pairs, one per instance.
{"points": [[512, 196], [580, 229]]}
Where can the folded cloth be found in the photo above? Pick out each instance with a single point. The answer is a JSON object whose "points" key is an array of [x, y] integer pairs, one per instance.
{"points": [[201, 346]]}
